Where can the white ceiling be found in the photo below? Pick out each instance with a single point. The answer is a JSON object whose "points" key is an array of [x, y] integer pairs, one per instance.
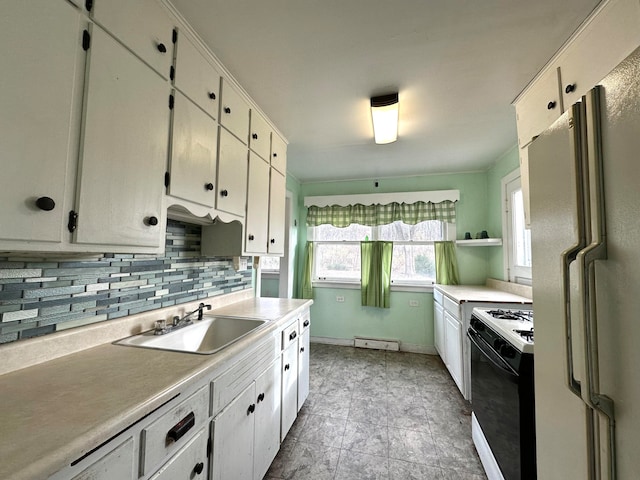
{"points": [[312, 66]]}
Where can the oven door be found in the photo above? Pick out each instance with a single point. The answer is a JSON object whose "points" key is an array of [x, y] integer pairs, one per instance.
{"points": [[496, 405]]}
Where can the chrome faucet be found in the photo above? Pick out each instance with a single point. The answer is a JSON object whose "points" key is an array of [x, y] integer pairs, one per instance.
{"points": [[161, 328]]}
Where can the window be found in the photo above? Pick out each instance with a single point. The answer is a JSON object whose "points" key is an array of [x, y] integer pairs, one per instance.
{"points": [[518, 237], [337, 250]]}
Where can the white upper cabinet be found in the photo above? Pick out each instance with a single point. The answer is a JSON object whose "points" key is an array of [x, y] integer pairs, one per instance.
{"points": [[124, 153], [194, 146], [260, 136], [143, 26], [234, 112], [196, 77], [277, 194], [257, 206], [42, 43], [278, 154], [232, 174]]}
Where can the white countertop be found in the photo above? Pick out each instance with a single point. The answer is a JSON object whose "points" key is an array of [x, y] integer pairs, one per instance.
{"points": [[480, 293], [53, 412]]}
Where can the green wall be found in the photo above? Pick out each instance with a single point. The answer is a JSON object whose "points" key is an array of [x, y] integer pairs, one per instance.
{"points": [[479, 209]]}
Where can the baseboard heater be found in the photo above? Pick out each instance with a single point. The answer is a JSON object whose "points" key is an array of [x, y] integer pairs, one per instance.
{"points": [[376, 343]]}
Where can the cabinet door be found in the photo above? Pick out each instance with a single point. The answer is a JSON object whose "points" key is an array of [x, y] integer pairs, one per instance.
{"points": [[438, 330], [196, 77], [453, 346], [194, 148], [289, 388], [267, 421], [278, 154], [234, 112], [143, 26], [124, 154], [277, 194], [257, 206], [188, 463], [303, 368], [260, 135], [232, 174], [233, 431], [41, 40], [116, 464]]}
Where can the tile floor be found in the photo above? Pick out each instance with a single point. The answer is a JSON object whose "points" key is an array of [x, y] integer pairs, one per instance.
{"points": [[379, 415]]}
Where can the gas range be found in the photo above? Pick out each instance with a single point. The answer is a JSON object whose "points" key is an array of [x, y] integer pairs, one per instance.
{"points": [[515, 326]]}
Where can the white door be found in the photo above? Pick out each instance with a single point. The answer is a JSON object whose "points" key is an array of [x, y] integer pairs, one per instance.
{"points": [[289, 388], [303, 367], [277, 194], [267, 421], [41, 43], [124, 155], [453, 339], [438, 329], [232, 174], [257, 206], [194, 149]]}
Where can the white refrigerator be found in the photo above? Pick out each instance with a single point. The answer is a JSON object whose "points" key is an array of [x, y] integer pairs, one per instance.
{"points": [[585, 229]]}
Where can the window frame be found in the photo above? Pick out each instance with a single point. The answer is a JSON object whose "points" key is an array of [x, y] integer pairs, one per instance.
{"points": [[512, 272]]}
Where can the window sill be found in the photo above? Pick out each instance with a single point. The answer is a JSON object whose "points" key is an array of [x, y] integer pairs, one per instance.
{"points": [[356, 286]]}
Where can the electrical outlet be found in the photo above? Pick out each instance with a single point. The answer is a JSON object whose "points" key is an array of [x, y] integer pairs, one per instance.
{"points": [[413, 303], [339, 299]]}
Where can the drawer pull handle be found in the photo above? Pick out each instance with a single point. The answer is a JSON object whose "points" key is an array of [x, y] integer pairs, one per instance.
{"points": [[306, 323], [198, 468], [551, 105], [180, 428], [251, 409], [260, 398], [293, 335], [286, 367], [302, 350]]}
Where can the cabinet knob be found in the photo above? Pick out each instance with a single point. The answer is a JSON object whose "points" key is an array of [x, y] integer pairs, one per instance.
{"points": [[151, 221], [208, 186], [273, 240], [224, 193], [45, 203], [293, 335], [287, 367], [551, 105], [302, 350], [306, 323], [227, 110], [254, 136], [212, 95], [260, 397], [251, 237], [162, 48], [198, 468], [251, 409], [570, 88], [275, 155]]}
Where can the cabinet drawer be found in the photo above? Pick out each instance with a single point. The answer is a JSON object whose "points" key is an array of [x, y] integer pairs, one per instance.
{"points": [[278, 154], [189, 462], [116, 464], [304, 322], [143, 26], [234, 112], [438, 296], [229, 385], [260, 135], [452, 307], [170, 432], [289, 334]]}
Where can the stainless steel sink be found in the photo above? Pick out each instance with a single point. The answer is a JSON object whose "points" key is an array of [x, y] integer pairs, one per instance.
{"points": [[205, 337]]}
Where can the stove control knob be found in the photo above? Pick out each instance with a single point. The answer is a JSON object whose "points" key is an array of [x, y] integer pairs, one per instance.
{"points": [[499, 344], [507, 351], [477, 324]]}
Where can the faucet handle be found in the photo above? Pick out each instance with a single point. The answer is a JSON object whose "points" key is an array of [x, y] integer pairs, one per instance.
{"points": [[176, 320], [159, 326]]}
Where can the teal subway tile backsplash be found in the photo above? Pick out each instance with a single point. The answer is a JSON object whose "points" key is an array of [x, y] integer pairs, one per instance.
{"points": [[43, 295]]}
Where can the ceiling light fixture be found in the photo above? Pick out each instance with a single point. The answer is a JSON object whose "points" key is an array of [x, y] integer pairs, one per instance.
{"points": [[384, 112]]}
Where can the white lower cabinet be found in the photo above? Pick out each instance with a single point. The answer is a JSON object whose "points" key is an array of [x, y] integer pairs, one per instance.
{"points": [[438, 328], [289, 386], [189, 463], [453, 346], [119, 463], [303, 361], [267, 421]]}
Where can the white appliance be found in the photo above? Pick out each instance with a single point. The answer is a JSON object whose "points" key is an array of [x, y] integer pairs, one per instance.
{"points": [[585, 230]]}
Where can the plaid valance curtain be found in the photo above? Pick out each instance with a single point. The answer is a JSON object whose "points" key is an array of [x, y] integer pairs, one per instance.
{"points": [[375, 215]]}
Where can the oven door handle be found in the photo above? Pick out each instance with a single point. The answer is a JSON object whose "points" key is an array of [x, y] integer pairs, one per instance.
{"points": [[490, 354]]}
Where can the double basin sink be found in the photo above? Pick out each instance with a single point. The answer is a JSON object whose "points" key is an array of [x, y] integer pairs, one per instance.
{"points": [[205, 337]]}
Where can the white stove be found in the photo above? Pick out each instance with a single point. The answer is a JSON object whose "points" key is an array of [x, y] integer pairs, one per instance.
{"points": [[515, 326]]}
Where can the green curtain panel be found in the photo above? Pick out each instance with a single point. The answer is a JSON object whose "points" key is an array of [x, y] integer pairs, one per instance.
{"points": [[375, 279], [307, 286], [374, 215], [446, 264]]}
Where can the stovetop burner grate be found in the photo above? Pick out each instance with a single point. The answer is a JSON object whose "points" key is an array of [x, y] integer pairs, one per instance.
{"points": [[526, 334], [524, 315]]}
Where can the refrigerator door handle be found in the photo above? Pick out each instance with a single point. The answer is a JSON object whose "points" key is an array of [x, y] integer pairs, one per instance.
{"points": [[596, 250]]}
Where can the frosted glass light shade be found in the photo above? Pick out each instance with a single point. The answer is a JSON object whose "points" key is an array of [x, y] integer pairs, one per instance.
{"points": [[384, 112]]}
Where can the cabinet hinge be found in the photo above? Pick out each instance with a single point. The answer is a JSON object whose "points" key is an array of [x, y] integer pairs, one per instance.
{"points": [[73, 221], [172, 72], [171, 100], [174, 38], [167, 179], [86, 40], [209, 447], [88, 4]]}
